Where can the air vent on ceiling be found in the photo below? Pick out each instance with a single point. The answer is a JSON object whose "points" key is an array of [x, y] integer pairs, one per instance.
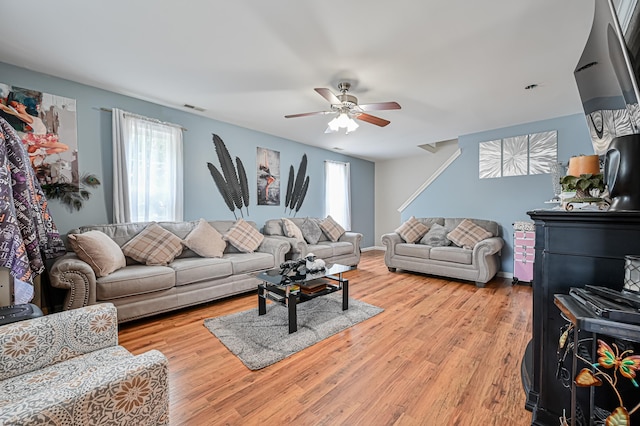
{"points": [[194, 107]]}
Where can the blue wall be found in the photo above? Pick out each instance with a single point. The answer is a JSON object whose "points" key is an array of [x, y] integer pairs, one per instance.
{"points": [[459, 192], [201, 197]]}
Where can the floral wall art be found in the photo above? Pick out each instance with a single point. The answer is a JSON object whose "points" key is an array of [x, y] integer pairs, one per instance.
{"points": [[47, 126], [518, 155]]}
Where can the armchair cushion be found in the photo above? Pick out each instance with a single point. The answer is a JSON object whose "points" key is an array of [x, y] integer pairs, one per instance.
{"points": [[154, 245], [101, 253], [467, 234]]}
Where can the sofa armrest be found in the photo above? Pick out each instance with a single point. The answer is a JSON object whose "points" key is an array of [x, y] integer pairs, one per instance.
{"points": [[39, 342], [390, 241], [354, 238], [276, 246], [485, 258], [488, 247], [72, 274], [137, 392]]}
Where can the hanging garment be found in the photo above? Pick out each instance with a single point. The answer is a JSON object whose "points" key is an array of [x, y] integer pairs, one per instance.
{"points": [[28, 234]]}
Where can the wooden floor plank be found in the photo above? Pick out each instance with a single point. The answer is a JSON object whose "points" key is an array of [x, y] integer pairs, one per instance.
{"points": [[443, 352]]}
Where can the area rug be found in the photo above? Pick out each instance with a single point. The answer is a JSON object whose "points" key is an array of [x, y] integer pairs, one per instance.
{"points": [[262, 340]]}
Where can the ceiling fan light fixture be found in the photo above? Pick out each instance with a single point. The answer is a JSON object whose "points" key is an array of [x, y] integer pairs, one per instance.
{"points": [[342, 121]]}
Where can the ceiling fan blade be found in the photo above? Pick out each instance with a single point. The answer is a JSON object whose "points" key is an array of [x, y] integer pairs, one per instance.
{"points": [[328, 95], [379, 106], [373, 119], [306, 114]]}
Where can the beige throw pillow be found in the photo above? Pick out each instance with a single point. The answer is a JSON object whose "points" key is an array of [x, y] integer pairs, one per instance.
{"points": [[98, 250], [467, 234], [331, 228], [412, 230], [244, 237], [205, 240], [154, 245], [291, 230]]}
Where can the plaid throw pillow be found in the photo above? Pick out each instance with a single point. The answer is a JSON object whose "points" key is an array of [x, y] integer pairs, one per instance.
{"points": [[291, 230], [412, 230], [467, 234], [244, 237], [154, 245], [331, 228]]}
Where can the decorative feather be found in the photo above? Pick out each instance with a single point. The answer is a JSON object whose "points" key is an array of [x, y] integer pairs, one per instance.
{"points": [[244, 184], [303, 193], [70, 194], [222, 187], [297, 187], [228, 170], [287, 199]]}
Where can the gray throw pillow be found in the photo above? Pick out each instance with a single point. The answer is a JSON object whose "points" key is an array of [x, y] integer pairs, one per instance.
{"points": [[311, 231], [436, 237]]}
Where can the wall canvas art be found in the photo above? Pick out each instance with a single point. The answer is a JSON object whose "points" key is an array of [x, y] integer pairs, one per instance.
{"points": [[490, 159], [48, 128], [268, 173]]}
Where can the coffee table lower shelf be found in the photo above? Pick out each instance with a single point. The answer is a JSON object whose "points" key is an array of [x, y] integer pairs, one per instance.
{"points": [[291, 299]]}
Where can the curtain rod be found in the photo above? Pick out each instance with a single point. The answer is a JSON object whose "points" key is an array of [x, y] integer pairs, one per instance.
{"points": [[148, 119]]}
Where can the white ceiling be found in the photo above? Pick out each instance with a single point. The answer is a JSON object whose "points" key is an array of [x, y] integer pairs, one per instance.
{"points": [[455, 67]]}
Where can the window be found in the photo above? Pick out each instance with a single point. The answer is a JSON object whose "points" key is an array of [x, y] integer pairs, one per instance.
{"points": [[147, 169], [338, 192]]}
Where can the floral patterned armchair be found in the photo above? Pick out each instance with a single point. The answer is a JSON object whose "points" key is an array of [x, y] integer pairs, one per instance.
{"points": [[67, 369]]}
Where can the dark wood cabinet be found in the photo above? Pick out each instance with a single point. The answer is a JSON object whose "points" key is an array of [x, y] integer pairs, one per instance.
{"points": [[572, 249]]}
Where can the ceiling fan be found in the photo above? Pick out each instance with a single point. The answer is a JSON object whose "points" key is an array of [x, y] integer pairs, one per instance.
{"points": [[346, 108]]}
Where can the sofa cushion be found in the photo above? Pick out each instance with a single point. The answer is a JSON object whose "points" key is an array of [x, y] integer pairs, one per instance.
{"points": [[436, 237], [340, 247], [98, 250], [321, 250], [196, 269], [244, 237], [135, 279], [310, 230], [243, 263], [451, 254], [467, 234], [154, 245], [291, 230], [205, 240], [332, 229], [412, 230], [413, 250]]}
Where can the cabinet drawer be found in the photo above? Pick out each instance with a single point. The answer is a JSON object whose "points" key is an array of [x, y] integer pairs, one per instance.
{"points": [[523, 242], [524, 255], [525, 234]]}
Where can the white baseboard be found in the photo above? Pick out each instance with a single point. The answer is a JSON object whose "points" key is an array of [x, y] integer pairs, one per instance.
{"points": [[505, 274], [373, 248]]}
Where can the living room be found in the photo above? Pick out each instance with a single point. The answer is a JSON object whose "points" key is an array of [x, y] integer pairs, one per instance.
{"points": [[441, 180]]}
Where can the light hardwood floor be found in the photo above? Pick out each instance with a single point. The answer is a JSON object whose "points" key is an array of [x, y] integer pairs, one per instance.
{"points": [[442, 353]]}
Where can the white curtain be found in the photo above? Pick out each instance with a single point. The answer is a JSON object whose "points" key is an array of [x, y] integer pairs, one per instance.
{"points": [[147, 169], [338, 192]]}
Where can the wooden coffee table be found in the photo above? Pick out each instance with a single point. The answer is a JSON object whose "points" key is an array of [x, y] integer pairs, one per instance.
{"points": [[280, 289]]}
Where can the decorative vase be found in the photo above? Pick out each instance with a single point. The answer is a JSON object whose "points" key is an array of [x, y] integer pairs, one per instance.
{"points": [[622, 172], [632, 273]]}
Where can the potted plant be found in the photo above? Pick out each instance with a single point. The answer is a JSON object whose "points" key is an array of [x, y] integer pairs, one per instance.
{"points": [[586, 185]]}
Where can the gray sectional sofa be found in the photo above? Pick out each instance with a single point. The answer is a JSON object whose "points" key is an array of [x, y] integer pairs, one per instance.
{"points": [[140, 290], [345, 251], [478, 264]]}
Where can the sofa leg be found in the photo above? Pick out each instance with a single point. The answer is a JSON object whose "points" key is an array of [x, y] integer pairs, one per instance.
{"points": [[480, 285], [391, 269]]}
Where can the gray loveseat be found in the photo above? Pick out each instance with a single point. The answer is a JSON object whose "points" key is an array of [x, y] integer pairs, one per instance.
{"points": [[478, 264], [140, 290], [345, 251]]}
